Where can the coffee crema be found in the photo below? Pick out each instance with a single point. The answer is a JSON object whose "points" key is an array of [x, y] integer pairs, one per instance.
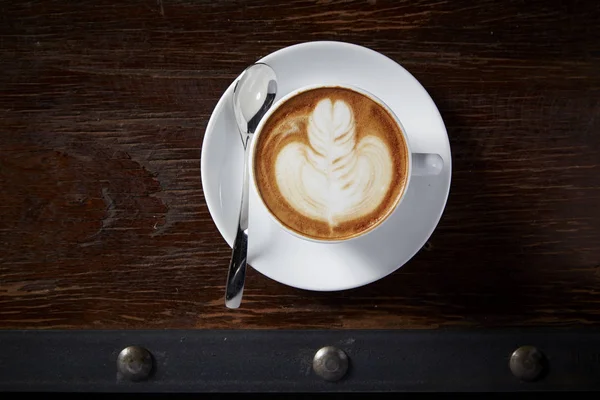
{"points": [[330, 163]]}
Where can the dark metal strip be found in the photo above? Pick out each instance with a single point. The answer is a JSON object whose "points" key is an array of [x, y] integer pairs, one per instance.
{"points": [[281, 361]]}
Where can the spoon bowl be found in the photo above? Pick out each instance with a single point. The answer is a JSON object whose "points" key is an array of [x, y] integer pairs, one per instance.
{"points": [[253, 95]]}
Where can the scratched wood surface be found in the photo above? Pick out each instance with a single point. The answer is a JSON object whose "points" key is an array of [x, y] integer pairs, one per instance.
{"points": [[103, 107]]}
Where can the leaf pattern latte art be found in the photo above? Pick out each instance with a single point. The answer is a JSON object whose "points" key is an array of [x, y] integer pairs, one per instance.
{"points": [[335, 178]]}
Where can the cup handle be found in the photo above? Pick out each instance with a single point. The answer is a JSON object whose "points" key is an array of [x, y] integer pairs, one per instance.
{"points": [[426, 164]]}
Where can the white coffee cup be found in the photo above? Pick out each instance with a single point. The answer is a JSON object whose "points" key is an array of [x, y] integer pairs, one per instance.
{"points": [[418, 164]]}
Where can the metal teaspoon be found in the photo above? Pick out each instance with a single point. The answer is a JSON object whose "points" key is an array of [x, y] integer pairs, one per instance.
{"points": [[253, 95]]}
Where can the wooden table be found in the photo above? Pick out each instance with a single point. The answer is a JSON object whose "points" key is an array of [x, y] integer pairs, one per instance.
{"points": [[103, 107]]}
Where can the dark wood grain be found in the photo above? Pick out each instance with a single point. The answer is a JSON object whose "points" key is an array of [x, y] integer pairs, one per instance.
{"points": [[103, 106]]}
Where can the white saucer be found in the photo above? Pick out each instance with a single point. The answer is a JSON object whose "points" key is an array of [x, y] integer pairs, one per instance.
{"points": [[328, 267]]}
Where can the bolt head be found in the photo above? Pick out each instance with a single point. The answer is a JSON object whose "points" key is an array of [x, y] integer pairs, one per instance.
{"points": [[527, 363], [330, 363], [135, 363]]}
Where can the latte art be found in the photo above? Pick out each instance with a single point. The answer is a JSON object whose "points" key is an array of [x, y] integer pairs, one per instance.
{"points": [[334, 178], [330, 163]]}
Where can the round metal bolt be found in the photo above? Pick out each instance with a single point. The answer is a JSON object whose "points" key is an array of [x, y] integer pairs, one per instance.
{"points": [[527, 363], [135, 363], [330, 363]]}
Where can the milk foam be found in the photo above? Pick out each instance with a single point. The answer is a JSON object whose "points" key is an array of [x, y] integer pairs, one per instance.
{"points": [[334, 179]]}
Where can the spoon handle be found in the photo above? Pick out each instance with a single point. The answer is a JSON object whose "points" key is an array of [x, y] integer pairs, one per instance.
{"points": [[237, 266]]}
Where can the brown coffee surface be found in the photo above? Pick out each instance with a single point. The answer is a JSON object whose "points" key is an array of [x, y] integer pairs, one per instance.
{"points": [[330, 163]]}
